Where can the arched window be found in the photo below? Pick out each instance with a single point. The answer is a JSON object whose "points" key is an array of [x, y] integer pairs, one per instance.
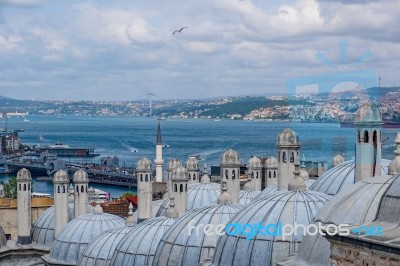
{"points": [[256, 175], [375, 138], [24, 187], [292, 157], [82, 189], [233, 174], [366, 136], [86, 189], [19, 187], [194, 176], [146, 177], [269, 174], [63, 190], [141, 177], [284, 157], [359, 136], [186, 188], [274, 174], [181, 188], [226, 174], [279, 156], [175, 188], [29, 187], [189, 176], [58, 189], [77, 189]]}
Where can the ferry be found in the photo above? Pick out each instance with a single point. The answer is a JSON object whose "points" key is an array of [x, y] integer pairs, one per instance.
{"points": [[62, 150]]}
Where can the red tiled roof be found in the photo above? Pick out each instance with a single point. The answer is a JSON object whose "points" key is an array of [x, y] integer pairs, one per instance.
{"points": [[132, 199]]}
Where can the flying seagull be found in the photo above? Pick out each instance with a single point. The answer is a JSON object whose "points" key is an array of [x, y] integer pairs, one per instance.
{"points": [[180, 30]]}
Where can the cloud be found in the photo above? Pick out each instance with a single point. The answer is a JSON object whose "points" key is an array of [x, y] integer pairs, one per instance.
{"points": [[22, 3]]}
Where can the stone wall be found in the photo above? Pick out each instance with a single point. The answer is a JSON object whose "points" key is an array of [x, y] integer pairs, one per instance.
{"points": [[344, 254]]}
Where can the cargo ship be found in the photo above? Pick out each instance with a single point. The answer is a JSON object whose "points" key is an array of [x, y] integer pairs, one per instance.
{"points": [[62, 150]]}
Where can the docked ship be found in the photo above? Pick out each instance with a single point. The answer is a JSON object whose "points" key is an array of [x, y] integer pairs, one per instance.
{"points": [[62, 150]]}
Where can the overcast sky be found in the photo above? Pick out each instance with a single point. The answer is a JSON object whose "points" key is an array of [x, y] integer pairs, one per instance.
{"points": [[120, 50]]}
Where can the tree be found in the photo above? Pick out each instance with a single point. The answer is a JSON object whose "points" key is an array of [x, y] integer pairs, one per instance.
{"points": [[10, 188], [126, 194]]}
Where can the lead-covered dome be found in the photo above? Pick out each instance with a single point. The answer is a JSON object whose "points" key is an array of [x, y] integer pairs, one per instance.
{"points": [[369, 113], [3, 238], [143, 165], [272, 188], [42, 231], [24, 175], [247, 196], [76, 235], [138, 246], [286, 207], [178, 247], [192, 164], [80, 176], [356, 205], [60, 177], [230, 158], [271, 162], [179, 174], [254, 163], [340, 177], [288, 137], [172, 164]]}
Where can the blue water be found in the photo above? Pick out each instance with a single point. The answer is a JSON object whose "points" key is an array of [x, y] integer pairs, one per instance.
{"points": [[121, 136]]}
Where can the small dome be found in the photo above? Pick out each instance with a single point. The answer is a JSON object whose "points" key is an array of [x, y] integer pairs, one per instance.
{"points": [[304, 174], [338, 159], [3, 238], [271, 162], [42, 231], [73, 238], [173, 164], [340, 177], [288, 137], [286, 207], [80, 176], [248, 196], [143, 165], [356, 205], [24, 175], [179, 174], [192, 164], [254, 163], [177, 247], [138, 246], [369, 113], [230, 158], [101, 249], [60, 177]]}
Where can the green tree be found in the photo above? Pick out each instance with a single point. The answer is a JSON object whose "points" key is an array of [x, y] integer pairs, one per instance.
{"points": [[126, 194], [10, 188]]}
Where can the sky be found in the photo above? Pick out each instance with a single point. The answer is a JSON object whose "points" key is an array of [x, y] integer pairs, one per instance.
{"points": [[121, 50]]}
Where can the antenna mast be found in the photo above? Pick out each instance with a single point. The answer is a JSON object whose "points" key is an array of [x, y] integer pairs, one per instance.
{"points": [[150, 105]]}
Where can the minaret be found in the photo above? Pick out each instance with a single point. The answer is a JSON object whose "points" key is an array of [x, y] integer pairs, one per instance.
{"points": [[159, 160], [24, 203], [193, 168], [288, 145], [60, 181], [271, 171], [81, 181], [394, 166], [338, 159], [368, 121], [179, 190], [230, 172], [254, 169], [145, 189]]}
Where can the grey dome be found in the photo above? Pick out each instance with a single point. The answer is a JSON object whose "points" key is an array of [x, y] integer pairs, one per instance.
{"points": [[80, 176], [368, 112], [247, 196], [177, 247], [3, 238], [24, 175], [354, 206], [271, 162], [101, 249], [179, 174], [192, 164], [287, 207], [288, 137], [60, 177], [73, 238], [254, 163], [138, 246], [230, 158], [172, 164], [340, 177], [42, 231], [271, 189], [143, 165]]}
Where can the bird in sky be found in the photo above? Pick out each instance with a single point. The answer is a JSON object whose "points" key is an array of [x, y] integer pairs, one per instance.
{"points": [[180, 30]]}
